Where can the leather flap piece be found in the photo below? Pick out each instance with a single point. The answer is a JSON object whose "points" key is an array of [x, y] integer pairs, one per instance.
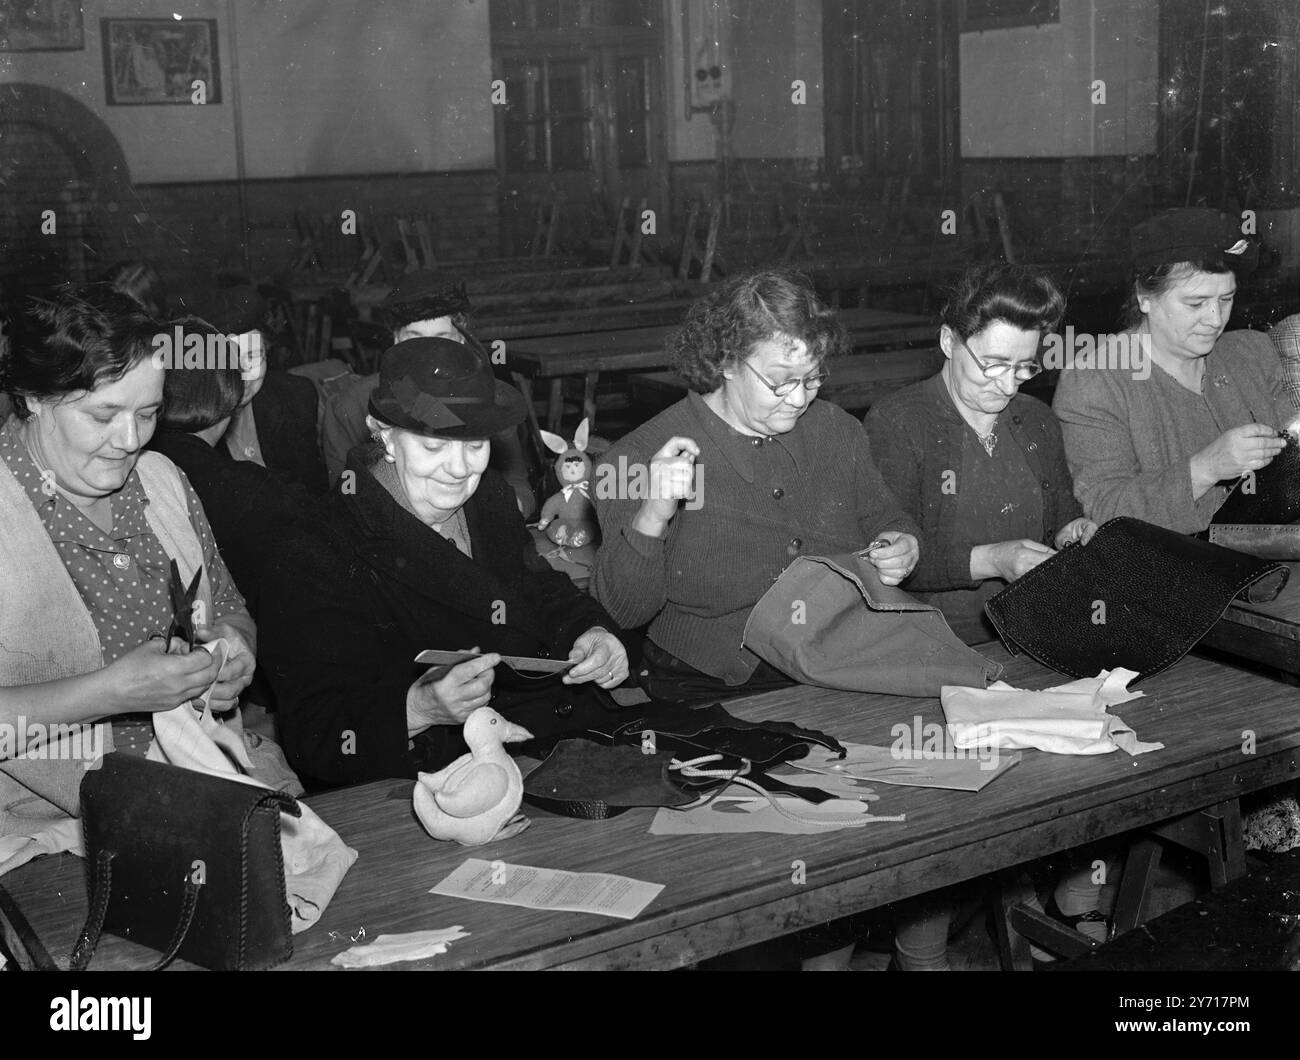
{"points": [[1137, 596], [1265, 540]]}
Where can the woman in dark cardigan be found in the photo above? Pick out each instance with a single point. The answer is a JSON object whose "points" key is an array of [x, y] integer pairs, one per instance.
{"points": [[982, 468], [979, 465], [422, 547]]}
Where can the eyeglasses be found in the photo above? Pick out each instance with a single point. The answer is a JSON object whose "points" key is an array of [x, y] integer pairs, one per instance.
{"points": [[811, 383], [998, 369]]}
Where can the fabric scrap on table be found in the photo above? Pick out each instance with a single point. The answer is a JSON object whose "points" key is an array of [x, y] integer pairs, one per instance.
{"points": [[1070, 719], [728, 814], [949, 768], [52, 838], [408, 946]]}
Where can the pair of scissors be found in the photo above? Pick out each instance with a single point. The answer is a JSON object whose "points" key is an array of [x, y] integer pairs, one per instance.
{"points": [[182, 623]]}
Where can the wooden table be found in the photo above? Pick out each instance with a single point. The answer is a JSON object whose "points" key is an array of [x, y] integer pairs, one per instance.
{"points": [[1265, 633], [639, 349], [724, 893]]}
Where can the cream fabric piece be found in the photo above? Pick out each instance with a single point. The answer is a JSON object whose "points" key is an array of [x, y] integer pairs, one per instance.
{"points": [[63, 834], [1069, 719], [389, 949], [315, 858]]}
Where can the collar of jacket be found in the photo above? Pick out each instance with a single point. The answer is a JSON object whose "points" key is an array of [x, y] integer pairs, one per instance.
{"points": [[1011, 418], [739, 448], [393, 541]]}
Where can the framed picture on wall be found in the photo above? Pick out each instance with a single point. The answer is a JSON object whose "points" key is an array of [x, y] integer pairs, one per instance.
{"points": [[977, 15], [158, 60], [41, 26]]}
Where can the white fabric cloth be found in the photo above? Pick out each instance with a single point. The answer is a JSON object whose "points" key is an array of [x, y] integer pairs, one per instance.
{"points": [[315, 858], [1069, 719], [389, 949]]}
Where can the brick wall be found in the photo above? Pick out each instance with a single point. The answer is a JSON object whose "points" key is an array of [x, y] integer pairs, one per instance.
{"points": [[37, 174]]}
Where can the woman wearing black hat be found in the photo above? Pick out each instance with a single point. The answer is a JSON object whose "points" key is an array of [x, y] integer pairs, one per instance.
{"points": [[1163, 434], [422, 546]]}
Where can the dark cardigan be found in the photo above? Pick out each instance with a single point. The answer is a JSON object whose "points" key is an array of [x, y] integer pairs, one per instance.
{"points": [[916, 437], [348, 606], [249, 507]]}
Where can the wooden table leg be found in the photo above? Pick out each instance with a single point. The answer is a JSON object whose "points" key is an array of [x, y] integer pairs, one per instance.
{"points": [[555, 407], [1135, 885], [589, 398], [1013, 889]]}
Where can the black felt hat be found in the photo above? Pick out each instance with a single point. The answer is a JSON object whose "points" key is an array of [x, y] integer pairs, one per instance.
{"points": [[444, 389], [1193, 234]]}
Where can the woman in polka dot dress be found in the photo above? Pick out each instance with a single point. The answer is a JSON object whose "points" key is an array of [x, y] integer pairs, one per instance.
{"points": [[89, 525]]}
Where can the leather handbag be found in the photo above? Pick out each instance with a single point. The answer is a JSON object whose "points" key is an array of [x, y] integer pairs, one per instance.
{"points": [[1137, 596], [185, 863], [831, 621]]}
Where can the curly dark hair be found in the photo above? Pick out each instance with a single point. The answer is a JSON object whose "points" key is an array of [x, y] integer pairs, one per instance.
{"points": [[721, 329], [73, 341], [1023, 296]]}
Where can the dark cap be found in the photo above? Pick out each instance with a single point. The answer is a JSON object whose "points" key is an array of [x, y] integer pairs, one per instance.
{"points": [[231, 310], [443, 389], [423, 295], [1196, 235]]}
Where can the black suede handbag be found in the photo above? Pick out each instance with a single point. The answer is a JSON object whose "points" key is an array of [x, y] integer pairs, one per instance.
{"points": [[1136, 596], [185, 863]]}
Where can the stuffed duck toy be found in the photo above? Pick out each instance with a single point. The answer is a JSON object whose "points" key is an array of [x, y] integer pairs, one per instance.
{"points": [[568, 517], [473, 800]]}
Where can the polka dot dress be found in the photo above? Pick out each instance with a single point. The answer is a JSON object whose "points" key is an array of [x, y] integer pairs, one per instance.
{"points": [[123, 577]]}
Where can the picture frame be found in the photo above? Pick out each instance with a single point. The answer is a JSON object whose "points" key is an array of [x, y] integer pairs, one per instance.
{"points": [[979, 15], [41, 26], [152, 61]]}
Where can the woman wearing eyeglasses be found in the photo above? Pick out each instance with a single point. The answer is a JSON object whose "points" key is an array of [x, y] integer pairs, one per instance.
{"points": [[704, 506], [982, 469], [980, 466]]}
